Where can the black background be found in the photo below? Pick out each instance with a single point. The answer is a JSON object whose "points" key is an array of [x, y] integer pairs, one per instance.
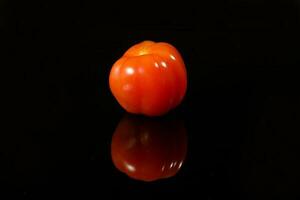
{"points": [[241, 109]]}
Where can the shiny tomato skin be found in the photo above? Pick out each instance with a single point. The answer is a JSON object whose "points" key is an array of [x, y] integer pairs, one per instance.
{"points": [[148, 150], [150, 79]]}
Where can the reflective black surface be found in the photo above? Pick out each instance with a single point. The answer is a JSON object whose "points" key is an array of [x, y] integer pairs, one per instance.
{"points": [[241, 111]]}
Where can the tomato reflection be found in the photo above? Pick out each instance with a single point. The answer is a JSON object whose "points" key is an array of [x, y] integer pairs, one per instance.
{"points": [[149, 149]]}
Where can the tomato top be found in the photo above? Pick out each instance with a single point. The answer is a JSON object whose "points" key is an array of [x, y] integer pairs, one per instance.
{"points": [[150, 78]]}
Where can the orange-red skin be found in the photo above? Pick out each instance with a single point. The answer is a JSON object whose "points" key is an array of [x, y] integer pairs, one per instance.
{"points": [[149, 150], [149, 79]]}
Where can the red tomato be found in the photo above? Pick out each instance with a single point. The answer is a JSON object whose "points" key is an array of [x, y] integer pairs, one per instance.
{"points": [[148, 150], [150, 79]]}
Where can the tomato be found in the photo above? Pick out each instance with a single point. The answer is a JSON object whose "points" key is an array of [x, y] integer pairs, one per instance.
{"points": [[149, 150], [150, 78]]}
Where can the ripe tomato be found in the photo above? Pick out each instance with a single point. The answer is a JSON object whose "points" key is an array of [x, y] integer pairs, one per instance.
{"points": [[148, 150], [150, 78]]}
